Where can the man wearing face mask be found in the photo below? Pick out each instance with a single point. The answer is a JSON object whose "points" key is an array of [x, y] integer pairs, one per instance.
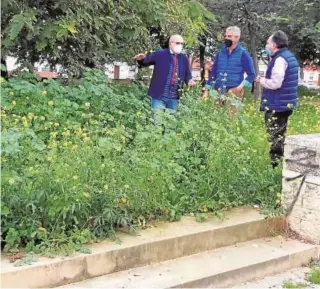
{"points": [[230, 64], [171, 70], [280, 89]]}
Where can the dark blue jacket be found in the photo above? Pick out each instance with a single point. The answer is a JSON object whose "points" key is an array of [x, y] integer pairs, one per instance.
{"points": [[161, 60], [284, 98], [228, 69]]}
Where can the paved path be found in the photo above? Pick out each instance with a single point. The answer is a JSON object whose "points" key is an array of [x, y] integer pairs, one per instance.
{"points": [[276, 281]]}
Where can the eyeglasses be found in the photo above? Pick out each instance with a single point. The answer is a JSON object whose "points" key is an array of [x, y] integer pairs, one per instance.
{"points": [[228, 36], [178, 43]]}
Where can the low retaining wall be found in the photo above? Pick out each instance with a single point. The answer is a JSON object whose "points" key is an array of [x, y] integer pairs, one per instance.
{"points": [[301, 185]]}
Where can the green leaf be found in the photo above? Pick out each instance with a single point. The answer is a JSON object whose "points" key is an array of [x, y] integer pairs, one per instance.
{"points": [[4, 210], [18, 23]]}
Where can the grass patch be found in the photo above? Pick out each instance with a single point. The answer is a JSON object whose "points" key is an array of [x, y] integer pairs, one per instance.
{"points": [[293, 285], [314, 276]]}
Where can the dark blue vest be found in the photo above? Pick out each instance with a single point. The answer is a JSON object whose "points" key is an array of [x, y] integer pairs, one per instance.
{"points": [[230, 70], [284, 98]]}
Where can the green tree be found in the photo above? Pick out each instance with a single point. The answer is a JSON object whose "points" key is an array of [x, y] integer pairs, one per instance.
{"points": [[78, 33], [258, 19], [300, 19]]}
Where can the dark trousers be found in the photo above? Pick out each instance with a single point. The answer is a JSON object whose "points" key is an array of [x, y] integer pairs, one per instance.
{"points": [[276, 123]]}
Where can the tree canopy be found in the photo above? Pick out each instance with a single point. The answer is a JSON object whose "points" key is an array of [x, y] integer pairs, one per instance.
{"points": [[79, 33]]}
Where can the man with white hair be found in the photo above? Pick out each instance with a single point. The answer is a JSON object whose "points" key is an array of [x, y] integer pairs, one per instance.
{"points": [[171, 70], [230, 64]]}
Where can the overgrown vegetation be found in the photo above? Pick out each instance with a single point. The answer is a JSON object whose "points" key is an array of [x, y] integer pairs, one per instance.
{"points": [[78, 162]]}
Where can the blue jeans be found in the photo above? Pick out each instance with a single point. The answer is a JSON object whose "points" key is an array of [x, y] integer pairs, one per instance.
{"points": [[162, 104], [165, 103]]}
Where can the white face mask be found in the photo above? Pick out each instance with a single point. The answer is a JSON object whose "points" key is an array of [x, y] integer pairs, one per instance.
{"points": [[177, 49]]}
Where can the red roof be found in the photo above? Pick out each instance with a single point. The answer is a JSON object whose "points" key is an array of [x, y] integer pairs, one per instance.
{"points": [[312, 68]]}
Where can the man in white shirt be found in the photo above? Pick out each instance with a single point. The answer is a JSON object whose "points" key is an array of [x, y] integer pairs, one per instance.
{"points": [[280, 87]]}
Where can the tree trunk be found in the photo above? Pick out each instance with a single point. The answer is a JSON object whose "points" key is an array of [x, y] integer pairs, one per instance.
{"points": [[4, 70], [301, 72], [202, 49], [89, 63], [253, 49]]}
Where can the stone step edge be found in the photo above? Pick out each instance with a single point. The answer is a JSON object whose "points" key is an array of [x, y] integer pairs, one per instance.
{"points": [[228, 267], [255, 271], [79, 268]]}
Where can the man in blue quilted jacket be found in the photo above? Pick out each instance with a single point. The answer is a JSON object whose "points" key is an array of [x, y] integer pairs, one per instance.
{"points": [[280, 89], [230, 65]]}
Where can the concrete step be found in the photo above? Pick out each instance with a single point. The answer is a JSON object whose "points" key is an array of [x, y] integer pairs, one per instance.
{"points": [[162, 242], [218, 268]]}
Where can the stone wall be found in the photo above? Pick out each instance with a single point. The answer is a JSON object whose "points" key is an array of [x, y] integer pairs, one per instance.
{"points": [[301, 185]]}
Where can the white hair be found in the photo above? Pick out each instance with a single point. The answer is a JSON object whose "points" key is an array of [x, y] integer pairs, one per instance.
{"points": [[235, 30], [174, 37]]}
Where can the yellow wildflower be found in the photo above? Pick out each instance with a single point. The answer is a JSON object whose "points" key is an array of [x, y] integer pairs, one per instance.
{"points": [[51, 102], [66, 133], [11, 181], [14, 103]]}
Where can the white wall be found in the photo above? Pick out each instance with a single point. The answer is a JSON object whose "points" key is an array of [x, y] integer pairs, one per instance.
{"points": [[129, 72], [11, 63], [311, 76], [126, 71]]}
